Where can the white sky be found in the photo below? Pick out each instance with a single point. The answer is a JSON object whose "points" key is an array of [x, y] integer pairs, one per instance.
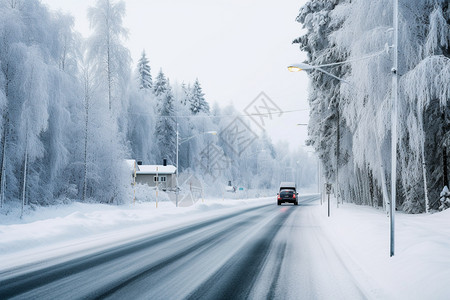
{"points": [[236, 48]]}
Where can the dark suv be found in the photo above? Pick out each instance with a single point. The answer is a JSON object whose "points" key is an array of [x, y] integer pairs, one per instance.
{"points": [[287, 195]]}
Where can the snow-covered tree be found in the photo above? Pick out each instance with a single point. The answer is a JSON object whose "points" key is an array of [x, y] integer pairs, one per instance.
{"points": [[445, 199], [144, 73], [186, 94], [160, 85], [36, 148], [326, 126], [165, 130], [342, 31], [197, 99], [141, 125], [110, 58]]}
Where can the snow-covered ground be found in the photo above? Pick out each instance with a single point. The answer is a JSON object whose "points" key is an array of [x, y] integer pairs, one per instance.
{"points": [[59, 230], [420, 268]]}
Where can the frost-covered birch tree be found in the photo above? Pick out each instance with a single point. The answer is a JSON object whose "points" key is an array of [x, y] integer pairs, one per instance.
{"points": [[110, 58], [36, 114]]}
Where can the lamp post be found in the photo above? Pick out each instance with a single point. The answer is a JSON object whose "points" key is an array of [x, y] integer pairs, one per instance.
{"points": [[394, 120], [394, 115], [179, 142]]}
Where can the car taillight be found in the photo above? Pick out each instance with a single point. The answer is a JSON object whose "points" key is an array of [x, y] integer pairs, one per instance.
{"points": [[293, 196], [279, 198]]}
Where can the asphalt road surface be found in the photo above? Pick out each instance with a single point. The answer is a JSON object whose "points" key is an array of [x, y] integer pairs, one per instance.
{"points": [[267, 252]]}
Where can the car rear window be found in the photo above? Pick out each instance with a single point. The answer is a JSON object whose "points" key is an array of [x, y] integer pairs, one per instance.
{"points": [[286, 193]]}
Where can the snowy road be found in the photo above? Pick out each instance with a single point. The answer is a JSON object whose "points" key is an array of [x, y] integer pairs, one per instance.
{"points": [[265, 252]]}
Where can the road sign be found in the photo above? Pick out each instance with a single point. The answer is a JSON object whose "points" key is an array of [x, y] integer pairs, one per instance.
{"points": [[328, 188]]}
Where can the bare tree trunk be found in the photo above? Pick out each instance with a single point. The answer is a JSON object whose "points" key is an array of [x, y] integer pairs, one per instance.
{"points": [[371, 187], [24, 189], [444, 150], [337, 158], [108, 63], [425, 186], [87, 93], [2, 175], [3, 169], [13, 3], [5, 132], [109, 80], [85, 153], [444, 161], [62, 62]]}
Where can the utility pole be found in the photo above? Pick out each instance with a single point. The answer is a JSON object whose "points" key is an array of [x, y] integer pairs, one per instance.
{"points": [[24, 188], [176, 172], [394, 120], [337, 156], [444, 151], [318, 180], [328, 188]]}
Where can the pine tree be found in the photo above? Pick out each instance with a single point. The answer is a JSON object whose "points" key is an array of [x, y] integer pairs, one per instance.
{"points": [[185, 98], [160, 86], [198, 102], [144, 74], [165, 127]]}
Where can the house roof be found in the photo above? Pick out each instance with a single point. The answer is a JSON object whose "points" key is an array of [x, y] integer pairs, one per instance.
{"points": [[131, 163], [287, 185], [151, 169]]}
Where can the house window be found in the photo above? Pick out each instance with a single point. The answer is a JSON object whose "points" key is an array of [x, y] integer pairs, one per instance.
{"points": [[159, 178]]}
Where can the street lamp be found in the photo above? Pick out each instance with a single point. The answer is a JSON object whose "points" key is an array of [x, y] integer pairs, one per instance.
{"points": [[302, 66], [394, 114], [178, 144]]}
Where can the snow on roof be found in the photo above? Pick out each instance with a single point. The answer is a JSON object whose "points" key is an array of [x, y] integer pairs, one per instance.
{"points": [[132, 164], [287, 184], [151, 169]]}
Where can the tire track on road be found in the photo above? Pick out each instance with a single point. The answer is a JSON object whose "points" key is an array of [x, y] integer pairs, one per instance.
{"points": [[236, 278], [13, 285]]}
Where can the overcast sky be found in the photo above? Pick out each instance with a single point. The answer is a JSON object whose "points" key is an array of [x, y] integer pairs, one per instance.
{"points": [[236, 48]]}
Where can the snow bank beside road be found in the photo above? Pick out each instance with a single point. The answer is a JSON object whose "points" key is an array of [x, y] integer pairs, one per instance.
{"points": [[420, 268], [63, 227]]}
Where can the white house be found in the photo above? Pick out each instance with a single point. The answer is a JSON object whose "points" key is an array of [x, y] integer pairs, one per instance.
{"points": [[152, 175]]}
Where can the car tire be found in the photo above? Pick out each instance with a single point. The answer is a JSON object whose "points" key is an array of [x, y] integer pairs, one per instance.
{"points": [[296, 203], [279, 203]]}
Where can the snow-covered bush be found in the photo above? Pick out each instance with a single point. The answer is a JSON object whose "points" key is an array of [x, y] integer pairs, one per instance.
{"points": [[445, 199]]}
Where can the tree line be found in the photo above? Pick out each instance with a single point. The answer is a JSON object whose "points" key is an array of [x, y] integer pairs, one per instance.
{"points": [[73, 109]]}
